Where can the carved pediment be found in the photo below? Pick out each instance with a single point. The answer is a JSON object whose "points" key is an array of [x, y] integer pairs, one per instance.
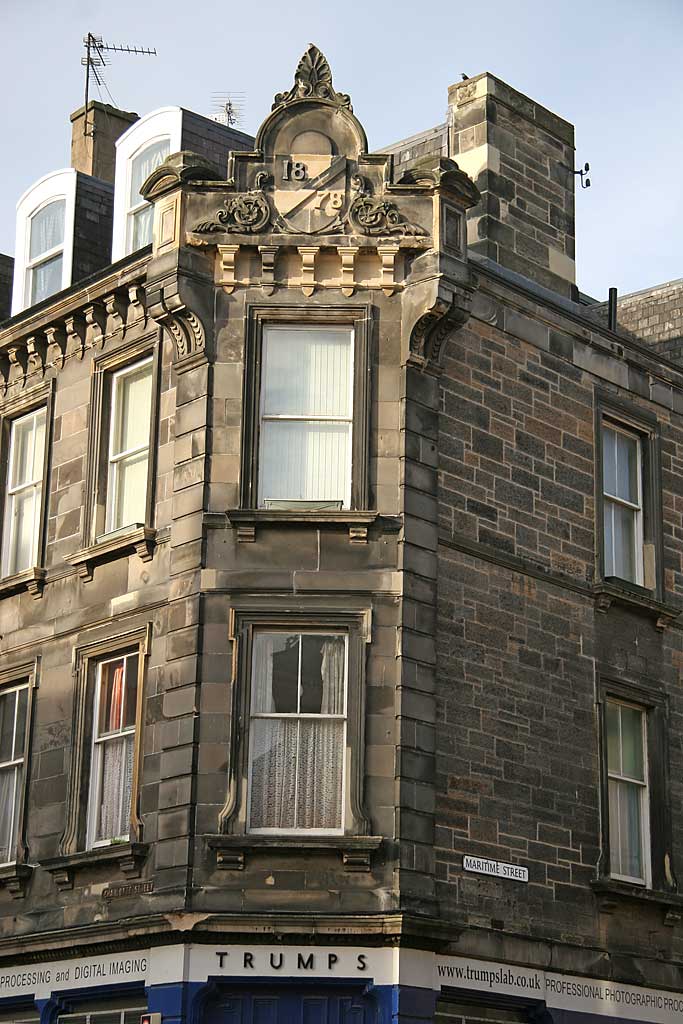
{"points": [[313, 78], [177, 169]]}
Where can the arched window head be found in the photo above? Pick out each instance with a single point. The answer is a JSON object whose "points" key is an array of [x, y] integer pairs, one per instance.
{"points": [[139, 212], [44, 268]]}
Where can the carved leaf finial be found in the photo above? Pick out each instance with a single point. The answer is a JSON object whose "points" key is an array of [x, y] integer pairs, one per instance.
{"points": [[313, 80]]}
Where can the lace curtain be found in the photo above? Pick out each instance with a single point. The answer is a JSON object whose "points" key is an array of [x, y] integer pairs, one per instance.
{"points": [[116, 766], [297, 764]]}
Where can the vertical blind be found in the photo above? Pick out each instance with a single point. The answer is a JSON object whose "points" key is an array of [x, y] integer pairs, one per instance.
{"points": [[306, 416]]}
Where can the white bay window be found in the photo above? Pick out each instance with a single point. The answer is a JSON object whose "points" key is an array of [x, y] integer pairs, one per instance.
{"points": [[113, 750], [297, 736], [306, 417], [23, 501], [129, 443]]}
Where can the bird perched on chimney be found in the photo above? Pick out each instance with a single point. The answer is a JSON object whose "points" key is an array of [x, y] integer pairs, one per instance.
{"points": [[464, 76]]}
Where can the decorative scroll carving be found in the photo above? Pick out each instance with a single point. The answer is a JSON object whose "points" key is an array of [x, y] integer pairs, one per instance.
{"points": [[56, 345], [245, 213], [313, 80], [4, 372], [116, 313], [95, 325], [370, 216], [136, 305], [36, 346], [18, 363], [75, 335], [184, 326], [446, 314]]}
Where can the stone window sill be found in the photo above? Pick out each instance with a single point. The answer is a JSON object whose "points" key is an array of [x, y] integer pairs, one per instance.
{"points": [[32, 580], [611, 893], [246, 521], [128, 857], [15, 878], [356, 851], [613, 591], [141, 539]]}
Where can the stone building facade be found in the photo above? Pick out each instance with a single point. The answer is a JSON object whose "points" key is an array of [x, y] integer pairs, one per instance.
{"points": [[339, 609]]}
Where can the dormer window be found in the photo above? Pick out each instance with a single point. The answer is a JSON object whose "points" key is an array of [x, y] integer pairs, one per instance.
{"points": [[44, 270], [139, 151], [44, 258], [140, 212]]}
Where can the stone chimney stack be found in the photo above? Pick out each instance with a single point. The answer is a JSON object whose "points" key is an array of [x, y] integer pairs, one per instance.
{"points": [[94, 153], [521, 157]]}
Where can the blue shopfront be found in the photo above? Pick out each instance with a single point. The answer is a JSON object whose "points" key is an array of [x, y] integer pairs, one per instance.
{"points": [[202, 984]]}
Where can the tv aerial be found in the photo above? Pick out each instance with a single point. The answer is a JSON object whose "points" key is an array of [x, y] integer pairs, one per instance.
{"points": [[95, 59], [228, 107]]}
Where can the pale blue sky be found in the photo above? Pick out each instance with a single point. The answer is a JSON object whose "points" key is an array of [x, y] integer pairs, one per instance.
{"points": [[611, 67]]}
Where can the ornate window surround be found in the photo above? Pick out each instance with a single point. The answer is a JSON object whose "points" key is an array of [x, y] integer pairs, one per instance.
{"points": [[128, 856], [33, 578], [15, 876], [354, 619], [358, 517], [99, 546]]}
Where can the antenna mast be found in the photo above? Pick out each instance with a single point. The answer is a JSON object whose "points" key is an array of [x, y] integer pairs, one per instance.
{"points": [[95, 59]]}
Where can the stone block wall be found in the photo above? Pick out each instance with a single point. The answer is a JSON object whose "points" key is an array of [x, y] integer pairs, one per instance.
{"points": [[521, 641]]}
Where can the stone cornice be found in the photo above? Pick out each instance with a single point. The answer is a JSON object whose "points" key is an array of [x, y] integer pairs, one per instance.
{"points": [[84, 318]]}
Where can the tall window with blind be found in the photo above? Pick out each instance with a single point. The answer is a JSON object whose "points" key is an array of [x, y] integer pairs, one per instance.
{"points": [[297, 732], [45, 264], [622, 503], [113, 749], [306, 417], [129, 442], [628, 792], [13, 714], [139, 212], [23, 500]]}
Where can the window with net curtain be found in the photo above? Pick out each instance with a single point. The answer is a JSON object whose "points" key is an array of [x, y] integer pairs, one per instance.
{"points": [[13, 709], [23, 495], [44, 270], [140, 213], [297, 734], [306, 417], [113, 749], [129, 441], [627, 792], [622, 504]]}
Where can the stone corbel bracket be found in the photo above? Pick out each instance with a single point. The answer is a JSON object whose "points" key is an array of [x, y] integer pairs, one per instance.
{"points": [[448, 311], [168, 304]]}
